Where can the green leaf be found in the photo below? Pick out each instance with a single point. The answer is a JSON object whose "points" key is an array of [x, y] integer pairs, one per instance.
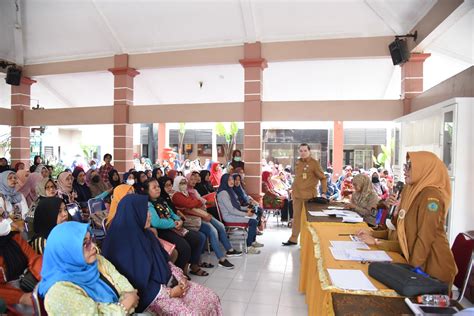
{"points": [[220, 129], [234, 128], [182, 128]]}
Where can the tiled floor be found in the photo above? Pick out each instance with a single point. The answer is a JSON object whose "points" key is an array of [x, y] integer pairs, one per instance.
{"points": [[264, 284]]}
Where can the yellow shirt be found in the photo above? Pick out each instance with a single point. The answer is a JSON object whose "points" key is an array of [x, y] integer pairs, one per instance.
{"points": [[308, 173]]}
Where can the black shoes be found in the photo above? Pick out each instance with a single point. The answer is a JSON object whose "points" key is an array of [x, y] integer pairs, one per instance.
{"points": [[289, 243], [233, 253], [226, 264]]}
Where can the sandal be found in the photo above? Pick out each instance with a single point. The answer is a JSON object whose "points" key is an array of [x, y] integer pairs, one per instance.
{"points": [[199, 272], [187, 277], [206, 265]]}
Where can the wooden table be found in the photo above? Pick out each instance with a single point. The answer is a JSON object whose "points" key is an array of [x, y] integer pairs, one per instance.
{"points": [[316, 258]]}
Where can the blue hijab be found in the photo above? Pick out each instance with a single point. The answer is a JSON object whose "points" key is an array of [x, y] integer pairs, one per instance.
{"points": [[63, 260], [224, 186], [10, 194], [239, 190], [135, 251]]}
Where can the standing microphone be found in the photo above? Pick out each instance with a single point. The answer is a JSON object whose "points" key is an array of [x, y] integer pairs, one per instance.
{"points": [[398, 189]]}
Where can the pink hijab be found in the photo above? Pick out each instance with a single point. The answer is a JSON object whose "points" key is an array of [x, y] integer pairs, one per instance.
{"points": [[22, 177], [29, 188]]}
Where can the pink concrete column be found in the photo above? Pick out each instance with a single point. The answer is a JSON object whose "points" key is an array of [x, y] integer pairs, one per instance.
{"points": [[254, 65], [337, 147], [123, 99], [20, 134], [161, 140], [412, 79]]}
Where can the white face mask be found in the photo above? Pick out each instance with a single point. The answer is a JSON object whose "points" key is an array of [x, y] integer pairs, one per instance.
{"points": [[183, 187], [5, 227], [93, 167], [130, 181]]}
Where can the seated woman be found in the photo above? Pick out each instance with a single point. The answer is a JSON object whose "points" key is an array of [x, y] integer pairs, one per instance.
{"points": [[246, 200], [275, 200], [333, 192], [379, 188], [15, 256], [236, 161], [208, 200], [346, 182], [66, 188], [99, 189], [189, 243], [118, 194], [50, 212], [364, 199], [12, 202], [162, 287], [211, 227], [421, 217], [140, 179], [129, 178], [216, 174], [232, 212], [28, 189], [157, 173], [77, 280], [114, 178], [205, 186], [80, 186]]}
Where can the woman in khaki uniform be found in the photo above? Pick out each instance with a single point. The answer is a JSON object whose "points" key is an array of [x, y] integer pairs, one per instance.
{"points": [[308, 173], [421, 217]]}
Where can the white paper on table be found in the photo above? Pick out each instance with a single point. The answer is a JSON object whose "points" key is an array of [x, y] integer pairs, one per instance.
{"points": [[350, 219], [318, 214], [350, 280], [359, 255], [335, 207], [339, 244], [341, 213]]}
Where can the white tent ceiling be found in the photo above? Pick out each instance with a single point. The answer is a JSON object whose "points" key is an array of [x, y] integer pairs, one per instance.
{"points": [[56, 30]]}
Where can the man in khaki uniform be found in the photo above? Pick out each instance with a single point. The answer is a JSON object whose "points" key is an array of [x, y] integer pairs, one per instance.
{"points": [[308, 173]]}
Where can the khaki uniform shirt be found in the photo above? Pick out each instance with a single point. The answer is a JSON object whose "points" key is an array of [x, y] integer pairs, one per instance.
{"points": [[426, 237], [308, 173]]}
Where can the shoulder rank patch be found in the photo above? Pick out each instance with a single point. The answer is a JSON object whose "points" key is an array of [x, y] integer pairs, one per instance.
{"points": [[433, 205]]}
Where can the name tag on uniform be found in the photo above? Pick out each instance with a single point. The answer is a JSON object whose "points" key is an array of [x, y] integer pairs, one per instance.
{"points": [[305, 175]]}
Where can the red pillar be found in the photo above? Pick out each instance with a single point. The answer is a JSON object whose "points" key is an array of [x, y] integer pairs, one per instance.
{"points": [[337, 147], [123, 99], [161, 140], [412, 79], [20, 134], [254, 65]]}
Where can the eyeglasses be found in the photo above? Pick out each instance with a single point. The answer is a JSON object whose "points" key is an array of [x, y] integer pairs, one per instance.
{"points": [[407, 166]]}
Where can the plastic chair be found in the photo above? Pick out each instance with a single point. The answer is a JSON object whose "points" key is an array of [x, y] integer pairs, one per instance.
{"points": [[463, 252], [38, 303], [97, 205], [234, 227]]}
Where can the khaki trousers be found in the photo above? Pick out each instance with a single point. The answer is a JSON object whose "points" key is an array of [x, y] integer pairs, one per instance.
{"points": [[296, 226]]}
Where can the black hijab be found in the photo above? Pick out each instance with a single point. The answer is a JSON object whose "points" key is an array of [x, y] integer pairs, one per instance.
{"points": [[164, 196], [113, 183], [46, 214], [204, 187], [14, 258]]}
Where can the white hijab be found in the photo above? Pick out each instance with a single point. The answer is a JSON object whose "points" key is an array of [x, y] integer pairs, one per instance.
{"points": [[176, 182]]}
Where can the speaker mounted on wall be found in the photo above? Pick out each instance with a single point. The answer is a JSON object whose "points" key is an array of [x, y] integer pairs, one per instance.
{"points": [[13, 76], [399, 49]]}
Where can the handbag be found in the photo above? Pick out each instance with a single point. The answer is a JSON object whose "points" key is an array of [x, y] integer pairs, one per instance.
{"points": [[192, 222], [27, 281], [404, 280]]}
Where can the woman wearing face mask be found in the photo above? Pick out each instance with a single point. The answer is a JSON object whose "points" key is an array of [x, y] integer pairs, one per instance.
{"points": [[77, 280], [50, 212], [98, 187], [379, 187], [15, 256], [12, 203], [233, 212], [364, 199], [129, 178], [237, 160]]}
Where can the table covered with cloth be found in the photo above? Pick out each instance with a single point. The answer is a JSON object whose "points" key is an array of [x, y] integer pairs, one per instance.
{"points": [[316, 258]]}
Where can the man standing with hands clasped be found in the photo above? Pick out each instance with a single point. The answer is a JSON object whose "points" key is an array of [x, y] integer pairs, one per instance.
{"points": [[308, 173]]}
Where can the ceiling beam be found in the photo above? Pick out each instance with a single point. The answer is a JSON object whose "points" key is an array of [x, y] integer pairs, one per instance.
{"points": [[248, 21], [437, 21], [119, 47], [18, 35], [366, 47]]}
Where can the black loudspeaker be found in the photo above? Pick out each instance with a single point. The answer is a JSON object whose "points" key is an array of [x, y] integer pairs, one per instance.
{"points": [[13, 76], [399, 51]]}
